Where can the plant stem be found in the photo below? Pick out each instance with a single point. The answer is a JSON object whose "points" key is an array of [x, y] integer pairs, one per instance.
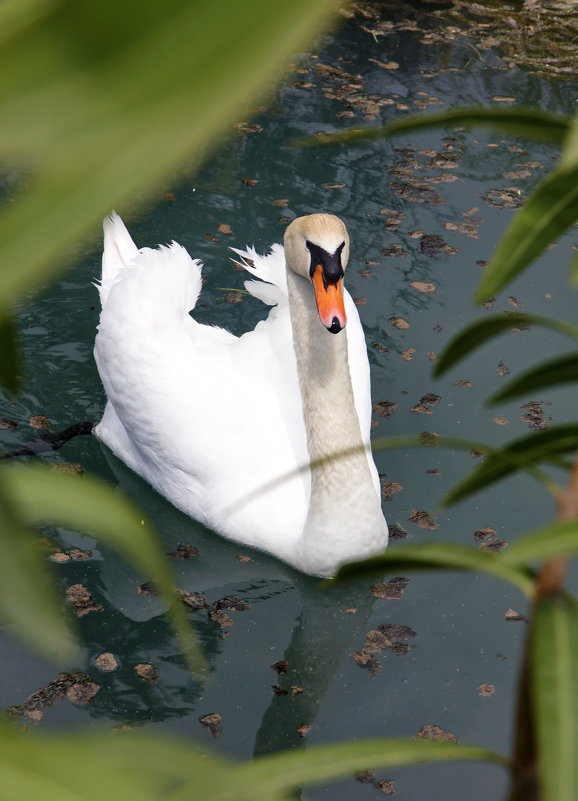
{"points": [[550, 582]]}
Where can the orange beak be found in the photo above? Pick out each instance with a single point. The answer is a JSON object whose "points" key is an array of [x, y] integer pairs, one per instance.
{"points": [[329, 298]]}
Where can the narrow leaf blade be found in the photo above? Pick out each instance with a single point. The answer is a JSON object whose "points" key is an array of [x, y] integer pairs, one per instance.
{"points": [[563, 370], [518, 455], [439, 556], [86, 504], [269, 775], [518, 121], [555, 694], [28, 598], [480, 331], [555, 539], [548, 213], [100, 766], [569, 155]]}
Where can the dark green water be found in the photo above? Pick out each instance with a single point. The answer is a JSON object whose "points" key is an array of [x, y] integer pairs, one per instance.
{"points": [[463, 639]]}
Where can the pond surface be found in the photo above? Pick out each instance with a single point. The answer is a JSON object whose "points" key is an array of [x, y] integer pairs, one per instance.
{"points": [[462, 187]]}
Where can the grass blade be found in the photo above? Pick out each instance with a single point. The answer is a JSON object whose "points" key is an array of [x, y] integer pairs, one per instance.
{"points": [[563, 370], [477, 333]]}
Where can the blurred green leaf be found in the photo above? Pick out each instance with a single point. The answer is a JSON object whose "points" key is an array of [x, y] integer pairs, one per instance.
{"points": [[518, 121], [555, 539], [439, 556], [40, 495], [563, 370], [425, 440], [477, 333], [133, 765], [569, 155], [9, 353], [519, 454], [92, 767], [28, 596], [549, 212], [116, 105], [269, 777], [16, 15], [554, 657]]}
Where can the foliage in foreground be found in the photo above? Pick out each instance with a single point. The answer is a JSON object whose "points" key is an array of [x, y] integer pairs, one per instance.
{"points": [[546, 734], [122, 115]]}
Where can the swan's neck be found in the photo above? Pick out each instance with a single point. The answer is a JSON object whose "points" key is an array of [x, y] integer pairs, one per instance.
{"points": [[344, 521]]}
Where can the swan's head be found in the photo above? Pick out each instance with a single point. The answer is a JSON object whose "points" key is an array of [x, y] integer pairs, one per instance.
{"points": [[317, 248]]}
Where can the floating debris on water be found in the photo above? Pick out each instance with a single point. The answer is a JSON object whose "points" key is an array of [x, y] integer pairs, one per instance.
{"points": [[76, 687], [436, 733], [82, 600], [212, 723], [147, 672], [106, 662], [486, 690], [39, 421], [391, 590], [184, 551], [423, 519]]}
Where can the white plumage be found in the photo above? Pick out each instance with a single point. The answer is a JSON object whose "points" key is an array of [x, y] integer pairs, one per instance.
{"points": [[224, 426]]}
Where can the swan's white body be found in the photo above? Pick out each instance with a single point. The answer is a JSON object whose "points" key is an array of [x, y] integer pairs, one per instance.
{"points": [[225, 426]]}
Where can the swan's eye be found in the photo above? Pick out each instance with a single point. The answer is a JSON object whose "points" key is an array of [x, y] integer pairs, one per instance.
{"points": [[330, 263]]}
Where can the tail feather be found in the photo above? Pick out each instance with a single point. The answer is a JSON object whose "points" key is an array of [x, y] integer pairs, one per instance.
{"points": [[154, 267], [119, 252], [182, 289], [269, 268]]}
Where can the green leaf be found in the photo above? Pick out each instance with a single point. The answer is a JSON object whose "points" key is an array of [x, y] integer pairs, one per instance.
{"points": [[269, 777], [477, 333], [9, 353], [569, 155], [555, 539], [548, 213], [519, 454], [518, 121], [89, 505], [425, 440], [134, 90], [554, 656], [439, 556], [135, 765], [28, 597], [563, 370], [116, 767]]}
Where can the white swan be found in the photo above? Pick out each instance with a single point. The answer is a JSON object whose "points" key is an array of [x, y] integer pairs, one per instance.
{"points": [[224, 426]]}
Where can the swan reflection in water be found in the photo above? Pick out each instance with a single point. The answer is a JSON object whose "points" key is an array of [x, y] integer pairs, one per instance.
{"points": [[291, 618]]}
